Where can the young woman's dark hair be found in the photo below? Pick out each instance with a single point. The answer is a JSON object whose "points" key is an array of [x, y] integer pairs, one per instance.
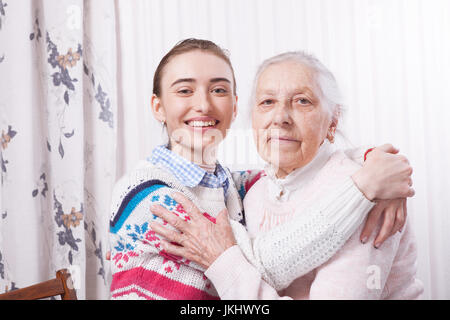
{"points": [[187, 46]]}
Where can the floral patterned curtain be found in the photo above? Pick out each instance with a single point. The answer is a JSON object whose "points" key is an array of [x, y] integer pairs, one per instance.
{"points": [[58, 141]]}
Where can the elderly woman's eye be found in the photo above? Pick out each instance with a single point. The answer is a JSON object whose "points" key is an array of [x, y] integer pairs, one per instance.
{"points": [[266, 102], [303, 101]]}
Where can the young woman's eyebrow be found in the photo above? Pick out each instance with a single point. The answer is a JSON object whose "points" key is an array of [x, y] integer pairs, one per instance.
{"points": [[214, 80], [191, 80], [182, 80]]}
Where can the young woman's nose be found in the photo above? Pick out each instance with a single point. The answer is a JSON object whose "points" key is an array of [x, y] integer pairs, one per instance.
{"points": [[202, 102]]}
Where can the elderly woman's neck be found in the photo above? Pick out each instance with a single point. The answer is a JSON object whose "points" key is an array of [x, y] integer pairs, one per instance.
{"points": [[322, 154], [282, 173]]}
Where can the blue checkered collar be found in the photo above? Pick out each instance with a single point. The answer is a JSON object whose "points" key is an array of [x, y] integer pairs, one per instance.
{"points": [[188, 173]]}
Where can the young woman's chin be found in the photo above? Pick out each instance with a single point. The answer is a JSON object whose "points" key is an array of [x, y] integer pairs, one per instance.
{"points": [[197, 140]]}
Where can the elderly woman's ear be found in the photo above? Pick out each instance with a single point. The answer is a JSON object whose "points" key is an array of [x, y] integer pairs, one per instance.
{"points": [[331, 133], [334, 123]]}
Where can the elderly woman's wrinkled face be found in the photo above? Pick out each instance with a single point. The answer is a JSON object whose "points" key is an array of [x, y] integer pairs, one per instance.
{"points": [[289, 120]]}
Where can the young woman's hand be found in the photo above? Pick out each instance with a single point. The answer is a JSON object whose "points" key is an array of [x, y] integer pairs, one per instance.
{"points": [[393, 213], [202, 239], [385, 175]]}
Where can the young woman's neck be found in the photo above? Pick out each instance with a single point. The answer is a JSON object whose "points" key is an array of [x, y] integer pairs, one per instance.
{"points": [[203, 157]]}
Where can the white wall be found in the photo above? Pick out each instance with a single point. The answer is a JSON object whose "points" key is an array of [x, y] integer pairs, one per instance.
{"points": [[391, 58]]}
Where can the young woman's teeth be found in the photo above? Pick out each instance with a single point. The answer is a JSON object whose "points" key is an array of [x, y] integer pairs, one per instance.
{"points": [[202, 123]]}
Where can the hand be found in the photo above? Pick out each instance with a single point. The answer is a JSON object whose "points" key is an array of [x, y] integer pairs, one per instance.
{"points": [[394, 218], [385, 175], [201, 239]]}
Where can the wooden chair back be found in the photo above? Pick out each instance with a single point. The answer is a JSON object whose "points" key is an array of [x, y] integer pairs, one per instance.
{"points": [[62, 286]]}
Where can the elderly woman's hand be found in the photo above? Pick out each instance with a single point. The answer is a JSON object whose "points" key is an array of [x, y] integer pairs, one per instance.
{"points": [[385, 175], [202, 240], [393, 213]]}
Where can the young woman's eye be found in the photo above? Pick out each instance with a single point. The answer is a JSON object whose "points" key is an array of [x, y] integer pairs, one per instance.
{"points": [[184, 91], [219, 90]]}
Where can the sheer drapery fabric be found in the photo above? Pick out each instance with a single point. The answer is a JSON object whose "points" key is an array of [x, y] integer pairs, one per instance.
{"points": [[58, 123]]}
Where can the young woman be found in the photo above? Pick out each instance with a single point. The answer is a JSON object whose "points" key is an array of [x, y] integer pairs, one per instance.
{"points": [[195, 98]]}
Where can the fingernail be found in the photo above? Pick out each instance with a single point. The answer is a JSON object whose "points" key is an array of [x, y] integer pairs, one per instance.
{"points": [[364, 240], [377, 245]]}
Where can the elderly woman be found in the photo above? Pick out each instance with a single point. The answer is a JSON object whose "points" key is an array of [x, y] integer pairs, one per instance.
{"points": [[295, 116]]}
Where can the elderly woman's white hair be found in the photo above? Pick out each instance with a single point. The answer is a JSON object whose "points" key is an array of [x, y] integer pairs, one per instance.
{"points": [[330, 97]]}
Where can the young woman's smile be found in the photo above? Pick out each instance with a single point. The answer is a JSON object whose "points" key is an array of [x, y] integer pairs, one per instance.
{"points": [[202, 123]]}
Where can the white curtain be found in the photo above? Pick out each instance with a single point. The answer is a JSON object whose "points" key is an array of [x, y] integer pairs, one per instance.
{"points": [[58, 125], [65, 141]]}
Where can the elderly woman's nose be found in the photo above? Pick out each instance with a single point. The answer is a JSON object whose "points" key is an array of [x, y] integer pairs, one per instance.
{"points": [[282, 114]]}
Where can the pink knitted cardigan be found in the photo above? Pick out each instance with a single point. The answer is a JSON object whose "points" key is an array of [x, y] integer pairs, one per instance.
{"points": [[357, 271]]}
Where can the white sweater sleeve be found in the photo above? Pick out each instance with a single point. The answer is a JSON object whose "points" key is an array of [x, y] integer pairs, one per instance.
{"points": [[291, 250], [357, 154], [236, 279]]}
